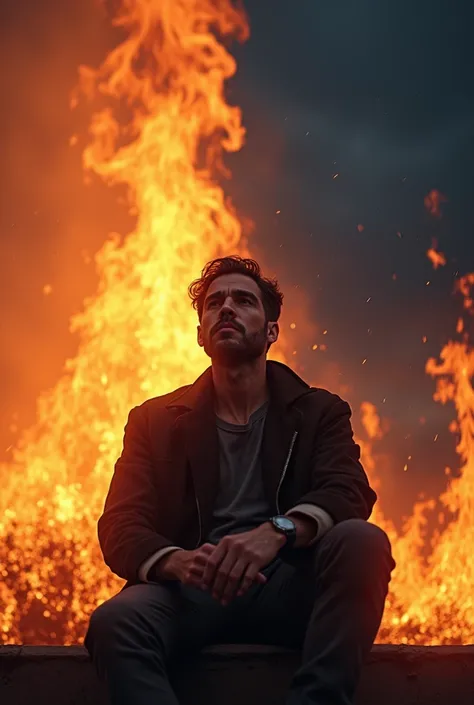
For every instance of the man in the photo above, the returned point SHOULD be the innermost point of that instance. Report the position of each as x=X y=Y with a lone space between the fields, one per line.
x=238 y=512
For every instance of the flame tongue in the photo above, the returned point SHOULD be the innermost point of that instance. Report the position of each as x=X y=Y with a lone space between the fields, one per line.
x=171 y=70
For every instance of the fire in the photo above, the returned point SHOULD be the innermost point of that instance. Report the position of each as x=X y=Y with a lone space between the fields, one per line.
x=438 y=259
x=161 y=130
x=431 y=596
x=138 y=334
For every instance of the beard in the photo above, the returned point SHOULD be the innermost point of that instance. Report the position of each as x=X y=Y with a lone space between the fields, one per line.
x=232 y=350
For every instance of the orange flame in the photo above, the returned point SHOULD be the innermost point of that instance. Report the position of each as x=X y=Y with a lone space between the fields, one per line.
x=137 y=340
x=438 y=259
x=430 y=599
x=464 y=286
x=137 y=336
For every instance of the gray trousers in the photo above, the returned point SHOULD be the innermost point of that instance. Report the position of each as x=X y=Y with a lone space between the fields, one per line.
x=330 y=606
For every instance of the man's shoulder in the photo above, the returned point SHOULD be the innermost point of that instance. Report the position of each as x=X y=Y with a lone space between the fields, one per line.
x=322 y=400
x=160 y=403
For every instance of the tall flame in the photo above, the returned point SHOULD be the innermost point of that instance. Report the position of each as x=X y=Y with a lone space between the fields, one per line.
x=161 y=131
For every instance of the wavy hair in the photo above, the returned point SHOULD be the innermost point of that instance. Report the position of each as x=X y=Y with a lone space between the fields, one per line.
x=272 y=297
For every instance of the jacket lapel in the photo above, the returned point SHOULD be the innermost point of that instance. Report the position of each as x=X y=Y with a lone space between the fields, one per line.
x=281 y=427
x=202 y=451
x=279 y=431
x=199 y=434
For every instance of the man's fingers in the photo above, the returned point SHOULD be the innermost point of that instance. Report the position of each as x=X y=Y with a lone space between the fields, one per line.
x=207 y=548
x=196 y=571
x=193 y=579
x=250 y=576
x=203 y=552
x=212 y=564
x=233 y=580
x=224 y=571
x=259 y=578
x=223 y=574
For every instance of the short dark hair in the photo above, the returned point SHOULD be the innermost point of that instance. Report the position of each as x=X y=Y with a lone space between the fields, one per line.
x=272 y=297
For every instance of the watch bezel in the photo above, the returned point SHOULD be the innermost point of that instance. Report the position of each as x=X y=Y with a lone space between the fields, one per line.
x=284 y=523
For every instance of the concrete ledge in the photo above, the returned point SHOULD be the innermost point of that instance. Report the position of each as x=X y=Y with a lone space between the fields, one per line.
x=235 y=674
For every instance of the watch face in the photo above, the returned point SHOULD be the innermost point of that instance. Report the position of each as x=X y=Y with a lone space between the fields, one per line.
x=284 y=523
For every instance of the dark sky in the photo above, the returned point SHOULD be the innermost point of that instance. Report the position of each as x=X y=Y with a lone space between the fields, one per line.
x=380 y=93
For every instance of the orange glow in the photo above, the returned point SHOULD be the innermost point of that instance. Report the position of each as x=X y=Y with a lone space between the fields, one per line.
x=433 y=201
x=370 y=420
x=137 y=340
x=464 y=286
x=437 y=258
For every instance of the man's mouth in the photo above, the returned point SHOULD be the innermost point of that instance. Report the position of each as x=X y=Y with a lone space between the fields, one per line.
x=226 y=326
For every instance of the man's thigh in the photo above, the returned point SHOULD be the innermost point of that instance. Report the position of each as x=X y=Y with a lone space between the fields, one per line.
x=278 y=611
x=173 y=618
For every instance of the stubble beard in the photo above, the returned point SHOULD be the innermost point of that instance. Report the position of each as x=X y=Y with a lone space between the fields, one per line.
x=233 y=353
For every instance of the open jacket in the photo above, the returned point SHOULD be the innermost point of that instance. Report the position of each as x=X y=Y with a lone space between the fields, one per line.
x=166 y=480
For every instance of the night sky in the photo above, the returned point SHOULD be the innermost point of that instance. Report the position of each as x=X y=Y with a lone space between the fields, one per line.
x=379 y=93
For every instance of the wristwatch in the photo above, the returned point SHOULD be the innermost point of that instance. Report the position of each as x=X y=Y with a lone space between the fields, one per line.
x=285 y=526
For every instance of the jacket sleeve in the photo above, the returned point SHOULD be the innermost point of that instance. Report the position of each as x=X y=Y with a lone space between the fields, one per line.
x=127 y=528
x=323 y=520
x=145 y=571
x=339 y=483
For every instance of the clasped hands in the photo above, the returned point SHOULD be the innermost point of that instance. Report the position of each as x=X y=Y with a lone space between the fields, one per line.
x=230 y=568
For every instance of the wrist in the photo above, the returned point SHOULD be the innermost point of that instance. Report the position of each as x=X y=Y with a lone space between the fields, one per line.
x=279 y=538
x=165 y=568
x=306 y=529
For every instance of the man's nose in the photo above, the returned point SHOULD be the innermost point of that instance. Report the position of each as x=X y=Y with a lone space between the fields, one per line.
x=228 y=307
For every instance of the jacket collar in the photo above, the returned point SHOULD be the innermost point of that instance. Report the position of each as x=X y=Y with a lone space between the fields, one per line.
x=285 y=388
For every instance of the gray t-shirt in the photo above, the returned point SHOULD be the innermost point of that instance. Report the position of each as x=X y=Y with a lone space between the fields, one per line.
x=240 y=503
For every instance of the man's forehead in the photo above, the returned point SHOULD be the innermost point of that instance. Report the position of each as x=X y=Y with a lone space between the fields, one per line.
x=228 y=283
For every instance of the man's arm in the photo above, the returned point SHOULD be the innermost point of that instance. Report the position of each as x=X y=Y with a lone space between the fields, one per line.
x=126 y=529
x=339 y=485
x=148 y=570
x=311 y=521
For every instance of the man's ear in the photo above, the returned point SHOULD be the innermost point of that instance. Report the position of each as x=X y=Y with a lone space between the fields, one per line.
x=199 y=337
x=273 y=331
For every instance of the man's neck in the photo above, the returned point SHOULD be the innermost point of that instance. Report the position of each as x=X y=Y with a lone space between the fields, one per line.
x=240 y=391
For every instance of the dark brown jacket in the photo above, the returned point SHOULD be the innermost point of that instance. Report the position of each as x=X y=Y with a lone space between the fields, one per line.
x=166 y=479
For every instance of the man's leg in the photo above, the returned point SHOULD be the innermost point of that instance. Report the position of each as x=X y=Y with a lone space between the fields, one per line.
x=330 y=607
x=133 y=636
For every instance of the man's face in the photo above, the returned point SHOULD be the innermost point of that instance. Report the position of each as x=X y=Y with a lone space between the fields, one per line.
x=233 y=329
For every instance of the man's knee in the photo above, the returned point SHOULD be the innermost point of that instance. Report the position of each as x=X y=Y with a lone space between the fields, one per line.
x=105 y=620
x=360 y=535
x=359 y=547
x=122 y=615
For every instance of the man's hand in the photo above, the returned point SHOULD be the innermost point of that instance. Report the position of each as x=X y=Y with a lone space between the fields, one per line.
x=188 y=566
x=185 y=566
x=237 y=559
